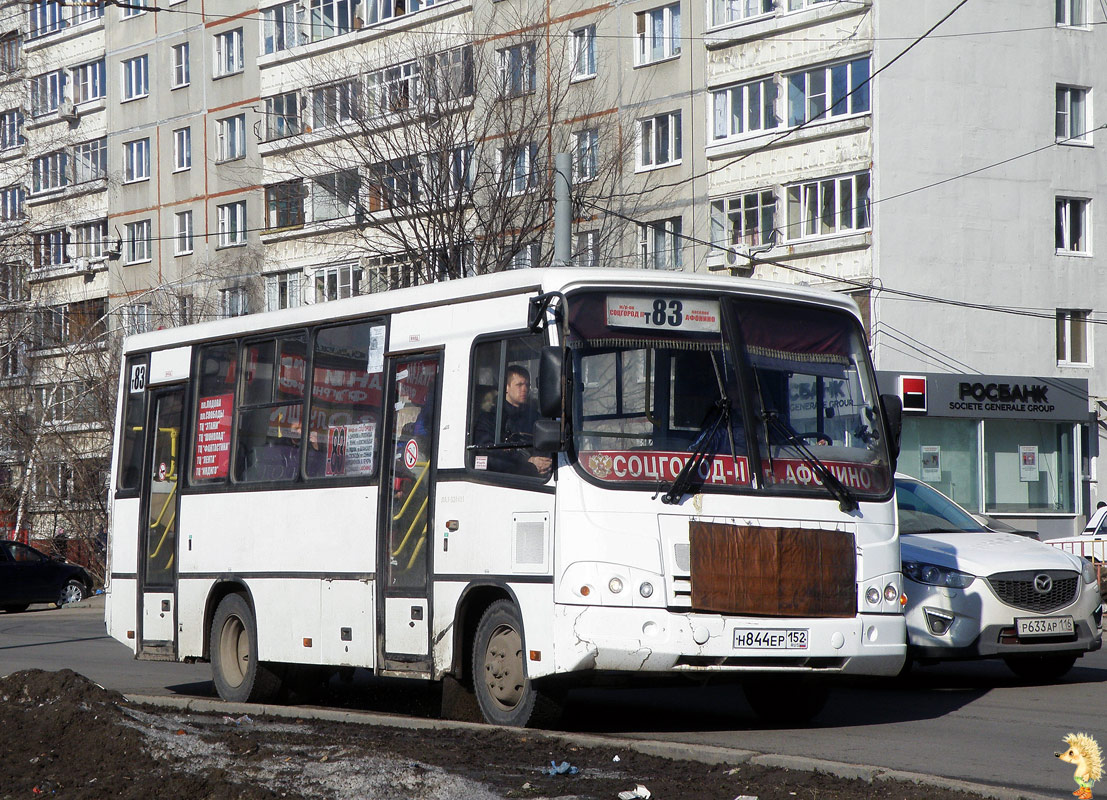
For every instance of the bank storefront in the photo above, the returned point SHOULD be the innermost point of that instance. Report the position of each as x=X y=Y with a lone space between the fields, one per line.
x=1001 y=445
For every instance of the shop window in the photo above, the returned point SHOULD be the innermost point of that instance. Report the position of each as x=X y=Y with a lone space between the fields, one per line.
x=1029 y=467
x=944 y=453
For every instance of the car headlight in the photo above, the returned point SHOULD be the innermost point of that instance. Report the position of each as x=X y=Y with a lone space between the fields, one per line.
x=1089 y=572
x=934 y=575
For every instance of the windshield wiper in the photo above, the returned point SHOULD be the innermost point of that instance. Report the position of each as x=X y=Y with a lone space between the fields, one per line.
x=846 y=500
x=719 y=414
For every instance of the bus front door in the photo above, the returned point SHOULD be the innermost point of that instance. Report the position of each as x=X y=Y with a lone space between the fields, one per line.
x=407 y=495
x=158 y=527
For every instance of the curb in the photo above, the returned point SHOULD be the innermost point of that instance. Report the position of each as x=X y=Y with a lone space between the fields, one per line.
x=676 y=751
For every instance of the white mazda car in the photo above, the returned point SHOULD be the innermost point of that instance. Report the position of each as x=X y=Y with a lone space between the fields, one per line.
x=976 y=593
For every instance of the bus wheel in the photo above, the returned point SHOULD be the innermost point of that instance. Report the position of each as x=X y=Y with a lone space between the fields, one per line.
x=785 y=700
x=238 y=676
x=505 y=694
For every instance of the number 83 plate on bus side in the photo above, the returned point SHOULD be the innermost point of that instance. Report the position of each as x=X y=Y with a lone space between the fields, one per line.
x=770 y=638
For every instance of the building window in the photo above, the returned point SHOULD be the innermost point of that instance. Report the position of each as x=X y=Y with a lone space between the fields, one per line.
x=282 y=116
x=232 y=224
x=11 y=50
x=230 y=138
x=1072 y=225
x=46 y=18
x=284 y=205
x=747 y=219
x=799 y=5
x=234 y=302
x=1073 y=335
x=90 y=160
x=184 y=309
x=584 y=52
x=517 y=72
x=282 y=290
x=660 y=244
x=831 y=91
x=394 y=89
x=11 y=203
x=658 y=34
x=47 y=93
x=182 y=149
x=136 y=160
x=49 y=172
x=137 y=242
x=1072 y=114
x=337 y=283
x=180 y=66
x=526 y=257
x=88 y=82
x=828 y=206
x=447 y=173
x=659 y=140
x=335 y=196
x=135 y=78
x=336 y=104
x=182 y=233
x=388 y=272
x=88 y=12
x=11 y=129
x=449 y=75
x=1072 y=13
x=518 y=168
x=135 y=318
x=750 y=107
x=134 y=8
x=282 y=27
x=585 y=155
x=228 y=53
x=585 y=249
x=724 y=12
x=89 y=239
x=395 y=184
x=50 y=248
x=332 y=18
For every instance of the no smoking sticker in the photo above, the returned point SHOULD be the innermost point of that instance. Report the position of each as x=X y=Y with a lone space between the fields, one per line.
x=411 y=453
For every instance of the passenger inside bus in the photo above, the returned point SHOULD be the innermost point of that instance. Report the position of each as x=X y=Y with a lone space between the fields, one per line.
x=517 y=417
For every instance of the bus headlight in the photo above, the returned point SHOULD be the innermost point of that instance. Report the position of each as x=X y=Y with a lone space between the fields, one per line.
x=615 y=585
x=646 y=589
x=872 y=595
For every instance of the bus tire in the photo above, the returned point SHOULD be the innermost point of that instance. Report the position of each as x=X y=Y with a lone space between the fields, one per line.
x=238 y=675
x=785 y=700
x=505 y=694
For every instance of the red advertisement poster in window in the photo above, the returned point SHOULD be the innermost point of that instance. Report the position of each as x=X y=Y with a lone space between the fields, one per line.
x=213 y=437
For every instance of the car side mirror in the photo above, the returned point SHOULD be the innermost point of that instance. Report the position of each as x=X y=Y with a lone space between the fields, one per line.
x=547 y=436
x=550 y=394
x=892 y=408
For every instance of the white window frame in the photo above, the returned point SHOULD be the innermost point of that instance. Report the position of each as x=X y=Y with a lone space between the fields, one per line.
x=586 y=249
x=584 y=53
x=45 y=18
x=234 y=301
x=811 y=206
x=283 y=27
x=586 y=158
x=283 y=116
x=231 y=220
x=12 y=200
x=1073 y=112
x=183 y=233
x=334 y=196
x=813 y=92
x=337 y=283
x=336 y=104
x=659 y=141
x=518 y=73
x=134 y=9
x=90 y=12
x=331 y=18
x=136 y=161
x=1068 y=321
x=227 y=53
x=135 y=78
x=526 y=257
x=136 y=242
x=47 y=92
x=657 y=34
x=800 y=5
x=90 y=160
x=395 y=89
x=1073 y=226
x=519 y=168
x=230 y=138
x=660 y=244
x=90 y=239
x=89 y=82
x=744 y=109
x=1072 y=13
x=181 y=66
x=50 y=172
x=284 y=290
x=135 y=318
x=51 y=248
x=724 y=12
x=11 y=129
x=747 y=219
x=182 y=149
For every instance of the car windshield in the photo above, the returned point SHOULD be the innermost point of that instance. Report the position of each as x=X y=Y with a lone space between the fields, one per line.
x=923 y=509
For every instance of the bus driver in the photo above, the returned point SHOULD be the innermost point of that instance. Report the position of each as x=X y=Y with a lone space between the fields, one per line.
x=516 y=428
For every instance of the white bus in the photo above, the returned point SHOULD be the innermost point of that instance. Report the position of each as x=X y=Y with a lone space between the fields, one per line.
x=514 y=481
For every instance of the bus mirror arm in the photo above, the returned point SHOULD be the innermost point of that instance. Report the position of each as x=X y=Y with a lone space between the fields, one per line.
x=892 y=408
x=547 y=436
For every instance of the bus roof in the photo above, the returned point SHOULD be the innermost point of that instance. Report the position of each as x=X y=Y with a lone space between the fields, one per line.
x=461 y=290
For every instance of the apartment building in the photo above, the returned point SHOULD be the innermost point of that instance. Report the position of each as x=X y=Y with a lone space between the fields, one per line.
x=271 y=154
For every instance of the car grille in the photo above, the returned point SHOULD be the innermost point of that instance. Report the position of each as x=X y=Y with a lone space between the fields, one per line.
x=1018 y=589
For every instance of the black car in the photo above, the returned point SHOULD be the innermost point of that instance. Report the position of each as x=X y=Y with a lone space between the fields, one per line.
x=28 y=576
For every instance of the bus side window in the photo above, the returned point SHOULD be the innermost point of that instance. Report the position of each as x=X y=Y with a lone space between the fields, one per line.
x=134 y=422
x=217 y=373
x=271 y=412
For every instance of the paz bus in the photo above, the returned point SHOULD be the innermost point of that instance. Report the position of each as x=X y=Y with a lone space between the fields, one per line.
x=514 y=482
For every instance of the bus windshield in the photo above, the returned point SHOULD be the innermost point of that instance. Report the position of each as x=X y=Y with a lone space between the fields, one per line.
x=741 y=385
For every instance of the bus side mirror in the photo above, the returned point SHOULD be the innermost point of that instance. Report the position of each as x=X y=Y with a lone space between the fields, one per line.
x=892 y=407
x=550 y=363
x=547 y=436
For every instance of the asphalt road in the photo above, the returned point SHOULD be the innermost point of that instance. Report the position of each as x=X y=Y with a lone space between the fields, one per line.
x=970 y=722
